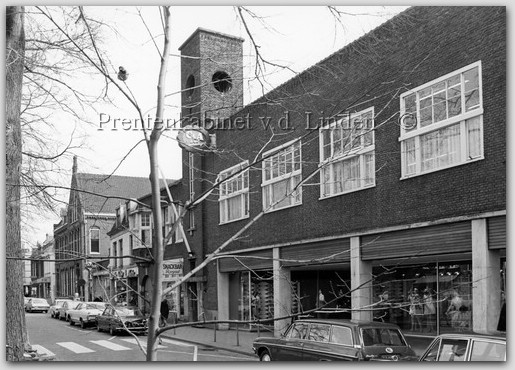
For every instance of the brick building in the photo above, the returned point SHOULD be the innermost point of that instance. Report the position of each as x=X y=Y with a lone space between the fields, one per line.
x=383 y=169
x=82 y=231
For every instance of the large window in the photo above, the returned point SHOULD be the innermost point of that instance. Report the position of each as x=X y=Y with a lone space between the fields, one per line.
x=282 y=172
x=347 y=157
x=94 y=240
x=234 y=193
x=442 y=122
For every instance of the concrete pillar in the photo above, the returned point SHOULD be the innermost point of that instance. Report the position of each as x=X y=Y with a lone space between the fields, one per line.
x=486 y=284
x=222 y=283
x=282 y=293
x=361 y=282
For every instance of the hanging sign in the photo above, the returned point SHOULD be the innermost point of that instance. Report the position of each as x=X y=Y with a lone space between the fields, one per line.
x=193 y=138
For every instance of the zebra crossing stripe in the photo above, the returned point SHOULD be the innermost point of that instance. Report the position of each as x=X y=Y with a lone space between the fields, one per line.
x=42 y=350
x=74 y=347
x=143 y=342
x=110 y=345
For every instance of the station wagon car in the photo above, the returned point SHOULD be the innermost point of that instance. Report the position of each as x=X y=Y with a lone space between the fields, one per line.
x=466 y=347
x=330 y=340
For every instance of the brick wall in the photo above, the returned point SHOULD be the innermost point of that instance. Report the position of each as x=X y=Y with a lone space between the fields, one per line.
x=413 y=48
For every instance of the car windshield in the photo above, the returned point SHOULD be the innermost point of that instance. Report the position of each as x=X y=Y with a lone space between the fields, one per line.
x=39 y=301
x=382 y=337
x=128 y=311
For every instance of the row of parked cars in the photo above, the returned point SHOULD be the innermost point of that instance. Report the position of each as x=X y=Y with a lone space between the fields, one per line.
x=349 y=340
x=105 y=316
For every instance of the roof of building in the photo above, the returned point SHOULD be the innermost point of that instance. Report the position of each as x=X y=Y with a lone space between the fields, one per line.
x=117 y=186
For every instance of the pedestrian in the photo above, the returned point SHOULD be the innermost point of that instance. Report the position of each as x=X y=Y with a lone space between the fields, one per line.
x=165 y=312
x=163 y=318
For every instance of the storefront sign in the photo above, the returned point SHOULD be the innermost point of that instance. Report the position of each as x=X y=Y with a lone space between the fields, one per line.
x=172 y=269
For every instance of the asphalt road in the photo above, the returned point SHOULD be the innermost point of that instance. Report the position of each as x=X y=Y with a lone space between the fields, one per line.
x=71 y=343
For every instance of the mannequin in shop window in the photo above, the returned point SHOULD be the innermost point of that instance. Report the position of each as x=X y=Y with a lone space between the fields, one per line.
x=429 y=309
x=321 y=298
x=256 y=305
x=456 y=310
x=415 y=310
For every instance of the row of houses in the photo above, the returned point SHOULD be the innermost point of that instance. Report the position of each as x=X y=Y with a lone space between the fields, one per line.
x=380 y=172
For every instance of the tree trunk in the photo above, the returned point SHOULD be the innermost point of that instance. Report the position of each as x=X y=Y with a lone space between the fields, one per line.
x=16 y=332
x=157 y=240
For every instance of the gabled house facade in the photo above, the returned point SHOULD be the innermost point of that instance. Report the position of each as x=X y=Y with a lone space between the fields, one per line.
x=81 y=237
x=399 y=143
x=130 y=269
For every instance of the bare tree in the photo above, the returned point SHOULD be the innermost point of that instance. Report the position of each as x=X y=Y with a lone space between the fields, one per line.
x=17 y=342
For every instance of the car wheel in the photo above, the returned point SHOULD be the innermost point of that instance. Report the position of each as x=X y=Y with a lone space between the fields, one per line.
x=82 y=325
x=71 y=321
x=265 y=356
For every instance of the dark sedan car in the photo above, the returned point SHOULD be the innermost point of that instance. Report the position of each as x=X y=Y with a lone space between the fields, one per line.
x=466 y=347
x=331 y=340
x=122 y=319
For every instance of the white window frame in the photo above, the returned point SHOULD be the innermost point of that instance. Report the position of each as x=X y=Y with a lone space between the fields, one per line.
x=225 y=194
x=169 y=218
x=94 y=228
x=268 y=183
x=413 y=137
x=360 y=152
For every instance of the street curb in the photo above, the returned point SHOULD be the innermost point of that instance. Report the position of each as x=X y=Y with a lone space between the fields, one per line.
x=241 y=352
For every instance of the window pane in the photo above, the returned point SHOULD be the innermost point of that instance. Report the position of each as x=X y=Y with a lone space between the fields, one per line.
x=319 y=333
x=410 y=156
x=341 y=335
x=474 y=138
x=369 y=169
x=487 y=351
x=471 y=89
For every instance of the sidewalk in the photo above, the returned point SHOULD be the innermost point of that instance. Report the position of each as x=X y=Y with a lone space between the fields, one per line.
x=240 y=341
x=237 y=341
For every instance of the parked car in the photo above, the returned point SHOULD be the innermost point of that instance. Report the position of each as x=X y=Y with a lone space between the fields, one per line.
x=25 y=301
x=336 y=339
x=68 y=305
x=122 y=318
x=54 y=307
x=37 y=305
x=466 y=347
x=85 y=313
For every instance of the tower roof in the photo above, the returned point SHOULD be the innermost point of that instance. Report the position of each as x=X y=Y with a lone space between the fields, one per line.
x=216 y=33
